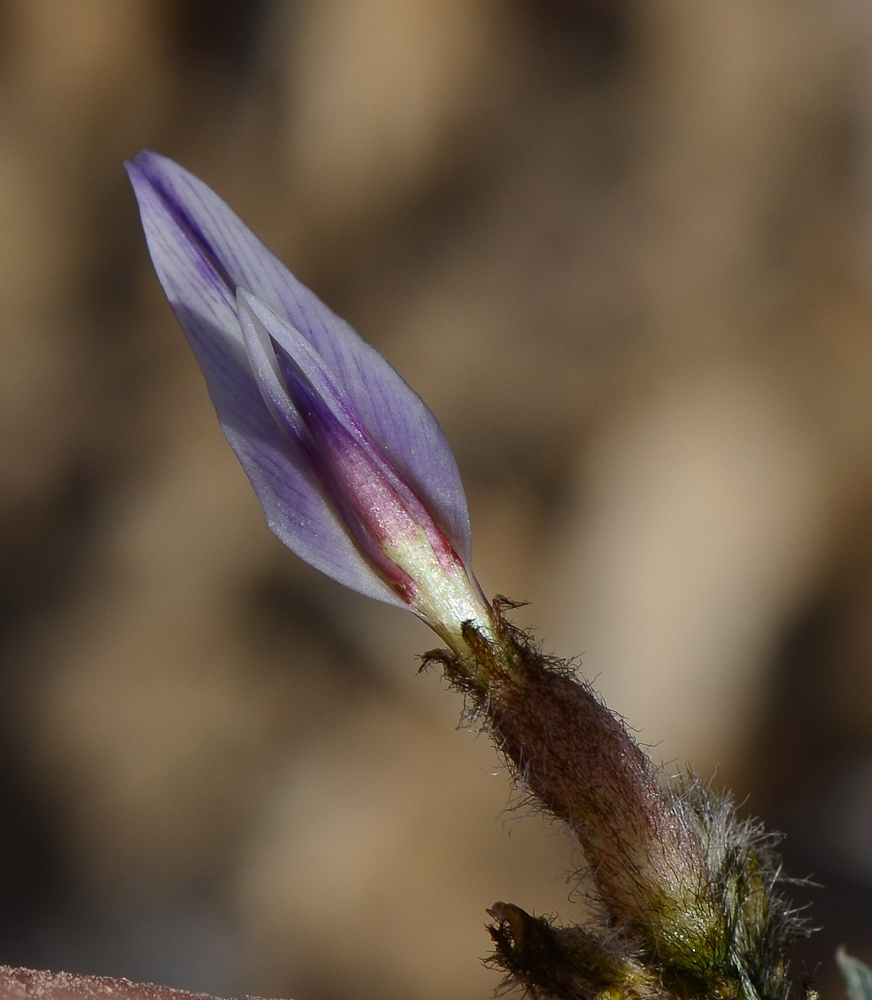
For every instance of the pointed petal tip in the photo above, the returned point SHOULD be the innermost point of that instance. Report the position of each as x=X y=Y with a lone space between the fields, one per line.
x=141 y=167
x=148 y=158
x=245 y=299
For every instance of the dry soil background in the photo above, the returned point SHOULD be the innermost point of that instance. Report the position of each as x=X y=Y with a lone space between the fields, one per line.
x=624 y=251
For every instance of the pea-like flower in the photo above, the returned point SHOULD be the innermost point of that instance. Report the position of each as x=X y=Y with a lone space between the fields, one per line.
x=355 y=475
x=351 y=468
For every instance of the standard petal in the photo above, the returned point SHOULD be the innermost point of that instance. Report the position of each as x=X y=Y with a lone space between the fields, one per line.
x=211 y=247
x=292 y=498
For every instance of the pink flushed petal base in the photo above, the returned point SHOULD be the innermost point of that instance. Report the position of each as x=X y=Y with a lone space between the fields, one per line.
x=30 y=984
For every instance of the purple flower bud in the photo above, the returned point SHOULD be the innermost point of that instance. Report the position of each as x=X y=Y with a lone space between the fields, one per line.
x=356 y=477
x=352 y=470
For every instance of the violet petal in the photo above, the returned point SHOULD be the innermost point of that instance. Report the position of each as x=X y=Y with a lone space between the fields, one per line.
x=261 y=327
x=315 y=390
x=217 y=241
x=264 y=366
x=292 y=498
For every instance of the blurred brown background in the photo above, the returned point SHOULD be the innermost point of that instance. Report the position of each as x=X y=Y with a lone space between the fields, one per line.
x=624 y=251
